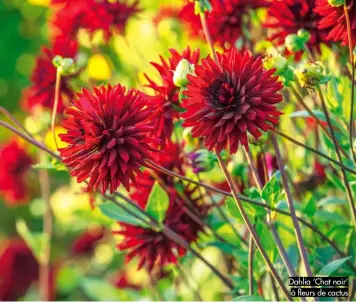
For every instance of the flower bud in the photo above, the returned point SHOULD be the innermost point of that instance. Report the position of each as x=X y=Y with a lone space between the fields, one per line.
x=294 y=43
x=66 y=66
x=304 y=35
x=201 y=6
x=202 y=160
x=278 y=62
x=180 y=74
x=336 y=3
x=311 y=74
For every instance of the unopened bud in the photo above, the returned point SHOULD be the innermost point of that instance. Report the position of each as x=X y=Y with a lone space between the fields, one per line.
x=278 y=62
x=336 y=3
x=311 y=74
x=66 y=66
x=201 y=6
x=202 y=160
x=294 y=43
x=180 y=74
x=304 y=35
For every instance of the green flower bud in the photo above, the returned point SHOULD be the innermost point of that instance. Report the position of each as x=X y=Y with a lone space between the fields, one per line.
x=304 y=35
x=202 y=160
x=294 y=43
x=57 y=61
x=180 y=74
x=201 y=6
x=68 y=66
x=311 y=74
x=278 y=62
x=336 y=3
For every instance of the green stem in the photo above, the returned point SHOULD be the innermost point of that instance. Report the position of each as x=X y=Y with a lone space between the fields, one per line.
x=251 y=229
x=344 y=176
x=55 y=106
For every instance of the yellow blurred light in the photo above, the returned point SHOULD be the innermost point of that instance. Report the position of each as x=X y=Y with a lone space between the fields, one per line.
x=49 y=140
x=99 y=68
x=103 y=254
x=39 y=2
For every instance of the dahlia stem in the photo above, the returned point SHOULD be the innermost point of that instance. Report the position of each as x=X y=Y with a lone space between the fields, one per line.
x=176 y=238
x=29 y=139
x=311 y=113
x=352 y=61
x=281 y=250
x=44 y=278
x=208 y=37
x=250 y=266
x=250 y=227
x=298 y=233
x=15 y=121
x=287 y=137
x=344 y=176
x=55 y=105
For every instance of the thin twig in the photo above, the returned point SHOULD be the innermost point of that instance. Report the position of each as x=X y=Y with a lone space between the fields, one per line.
x=344 y=176
x=208 y=37
x=14 y=120
x=55 y=105
x=250 y=266
x=251 y=229
x=298 y=233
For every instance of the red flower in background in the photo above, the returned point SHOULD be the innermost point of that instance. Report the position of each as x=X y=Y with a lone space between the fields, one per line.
x=333 y=20
x=92 y=15
x=122 y=282
x=87 y=241
x=223 y=105
x=166 y=93
x=43 y=78
x=107 y=137
x=266 y=166
x=154 y=247
x=14 y=164
x=288 y=16
x=18 y=270
x=224 y=21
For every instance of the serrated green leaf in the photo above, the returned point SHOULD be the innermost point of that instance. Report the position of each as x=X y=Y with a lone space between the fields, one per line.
x=331 y=200
x=115 y=212
x=158 y=203
x=332 y=266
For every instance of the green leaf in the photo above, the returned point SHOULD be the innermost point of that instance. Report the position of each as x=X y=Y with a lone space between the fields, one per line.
x=266 y=240
x=232 y=208
x=100 y=290
x=35 y=241
x=331 y=200
x=68 y=279
x=117 y=213
x=332 y=266
x=50 y=165
x=158 y=203
x=252 y=210
x=271 y=191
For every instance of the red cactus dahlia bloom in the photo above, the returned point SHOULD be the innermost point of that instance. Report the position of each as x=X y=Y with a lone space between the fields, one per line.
x=42 y=91
x=107 y=137
x=334 y=21
x=93 y=15
x=223 y=105
x=224 y=21
x=154 y=247
x=14 y=163
x=18 y=270
x=166 y=93
x=288 y=16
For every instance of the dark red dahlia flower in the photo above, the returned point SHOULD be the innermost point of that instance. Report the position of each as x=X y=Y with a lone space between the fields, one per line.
x=14 y=164
x=333 y=20
x=93 y=15
x=18 y=269
x=86 y=242
x=154 y=247
x=225 y=20
x=288 y=16
x=166 y=93
x=223 y=105
x=107 y=137
x=42 y=91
